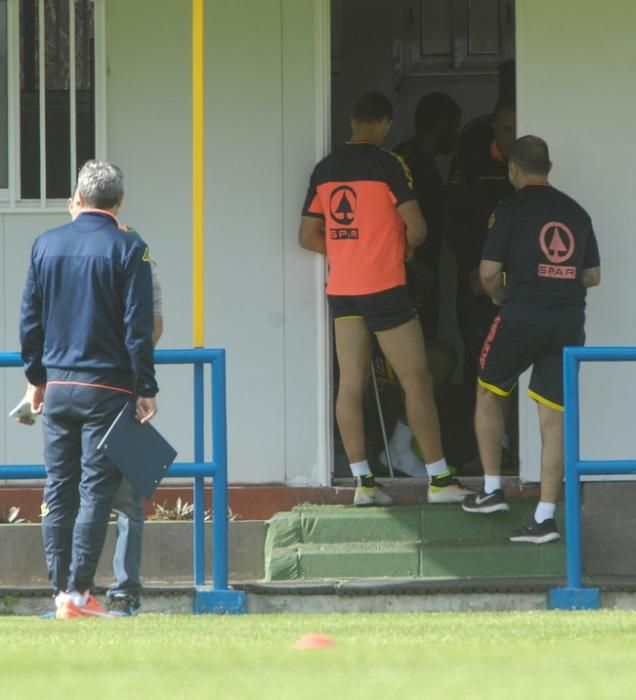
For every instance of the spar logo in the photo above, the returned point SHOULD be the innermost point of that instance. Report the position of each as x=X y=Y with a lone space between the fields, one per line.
x=557 y=244
x=342 y=209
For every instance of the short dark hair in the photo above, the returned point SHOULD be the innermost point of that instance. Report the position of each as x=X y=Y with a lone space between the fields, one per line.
x=435 y=107
x=372 y=107
x=531 y=154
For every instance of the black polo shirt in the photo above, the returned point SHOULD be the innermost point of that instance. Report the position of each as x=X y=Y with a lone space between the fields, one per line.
x=544 y=240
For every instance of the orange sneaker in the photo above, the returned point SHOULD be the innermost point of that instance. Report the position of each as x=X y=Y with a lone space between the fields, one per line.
x=71 y=605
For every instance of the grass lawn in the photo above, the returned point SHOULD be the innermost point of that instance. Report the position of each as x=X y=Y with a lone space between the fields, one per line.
x=395 y=656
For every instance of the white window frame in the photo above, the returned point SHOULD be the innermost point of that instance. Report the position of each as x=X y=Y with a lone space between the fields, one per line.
x=9 y=198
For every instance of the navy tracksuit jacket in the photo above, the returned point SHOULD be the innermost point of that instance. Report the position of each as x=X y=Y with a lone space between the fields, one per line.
x=86 y=331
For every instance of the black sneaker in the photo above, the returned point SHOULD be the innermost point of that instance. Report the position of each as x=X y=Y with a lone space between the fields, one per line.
x=483 y=502
x=537 y=533
x=122 y=605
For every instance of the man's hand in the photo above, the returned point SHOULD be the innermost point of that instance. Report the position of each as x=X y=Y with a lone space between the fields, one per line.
x=146 y=408
x=31 y=404
x=35 y=396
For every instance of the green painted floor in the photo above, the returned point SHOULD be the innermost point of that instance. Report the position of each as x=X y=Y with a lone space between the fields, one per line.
x=431 y=541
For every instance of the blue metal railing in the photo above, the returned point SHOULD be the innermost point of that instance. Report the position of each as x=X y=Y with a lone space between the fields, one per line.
x=220 y=598
x=575 y=596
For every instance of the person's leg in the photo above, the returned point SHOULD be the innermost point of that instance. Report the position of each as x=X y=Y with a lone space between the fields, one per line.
x=551 y=423
x=546 y=387
x=128 y=505
x=98 y=484
x=353 y=350
x=507 y=351
x=60 y=499
x=405 y=349
x=489 y=428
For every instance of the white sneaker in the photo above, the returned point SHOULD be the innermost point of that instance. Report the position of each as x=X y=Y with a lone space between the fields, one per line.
x=406 y=463
x=371 y=496
x=447 y=489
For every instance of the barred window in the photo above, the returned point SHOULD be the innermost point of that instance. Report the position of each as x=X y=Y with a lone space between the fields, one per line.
x=4 y=125
x=48 y=77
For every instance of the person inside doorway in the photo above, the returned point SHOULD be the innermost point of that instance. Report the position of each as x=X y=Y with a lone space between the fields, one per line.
x=436 y=124
x=361 y=211
x=478 y=182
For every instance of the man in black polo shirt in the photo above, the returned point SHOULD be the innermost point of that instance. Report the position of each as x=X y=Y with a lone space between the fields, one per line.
x=540 y=257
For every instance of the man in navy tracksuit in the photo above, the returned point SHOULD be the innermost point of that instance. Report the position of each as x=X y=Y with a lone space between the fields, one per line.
x=86 y=334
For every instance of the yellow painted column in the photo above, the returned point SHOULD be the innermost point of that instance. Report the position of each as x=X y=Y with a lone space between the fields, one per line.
x=197 y=174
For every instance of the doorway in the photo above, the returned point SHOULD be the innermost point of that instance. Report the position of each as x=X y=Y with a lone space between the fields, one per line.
x=407 y=49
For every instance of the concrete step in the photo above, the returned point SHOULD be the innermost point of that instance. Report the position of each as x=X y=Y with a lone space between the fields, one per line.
x=327 y=542
x=438 y=523
x=404 y=559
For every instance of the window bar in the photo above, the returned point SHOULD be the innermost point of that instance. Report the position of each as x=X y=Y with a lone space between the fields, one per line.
x=13 y=90
x=72 y=93
x=42 y=101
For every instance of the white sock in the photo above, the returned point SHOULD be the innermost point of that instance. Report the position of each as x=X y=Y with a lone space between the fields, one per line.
x=400 y=442
x=360 y=468
x=492 y=483
x=544 y=511
x=437 y=468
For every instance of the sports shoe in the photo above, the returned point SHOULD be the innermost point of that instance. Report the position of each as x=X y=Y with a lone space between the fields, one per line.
x=371 y=496
x=445 y=488
x=483 y=502
x=406 y=463
x=74 y=604
x=537 y=533
x=123 y=605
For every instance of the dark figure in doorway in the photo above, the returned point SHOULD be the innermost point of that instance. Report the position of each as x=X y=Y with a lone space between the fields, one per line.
x=436 y=123
x=478 y=182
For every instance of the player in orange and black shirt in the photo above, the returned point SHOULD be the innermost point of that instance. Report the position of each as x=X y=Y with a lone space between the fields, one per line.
x=361 y=212
x=545 y=244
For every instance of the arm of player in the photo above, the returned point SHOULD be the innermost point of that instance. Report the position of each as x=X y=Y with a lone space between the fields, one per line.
x=311 y=234
x=591 y=277
x=492 y=280
x=416 y=229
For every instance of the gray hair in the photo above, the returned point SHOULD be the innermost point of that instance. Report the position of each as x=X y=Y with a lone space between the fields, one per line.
x=531 y=154
x=101 y=184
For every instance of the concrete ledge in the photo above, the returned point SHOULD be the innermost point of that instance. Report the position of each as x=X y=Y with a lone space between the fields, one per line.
x=609 y=528
x=166 y=555
x=439 y=595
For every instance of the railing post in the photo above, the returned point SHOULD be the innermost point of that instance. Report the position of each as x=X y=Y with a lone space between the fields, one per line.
x=198 y=493
x=220 y=511
x=574 y=596
x=572 y=449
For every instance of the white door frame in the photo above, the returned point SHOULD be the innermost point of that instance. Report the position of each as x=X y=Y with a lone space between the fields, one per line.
x=322 y=81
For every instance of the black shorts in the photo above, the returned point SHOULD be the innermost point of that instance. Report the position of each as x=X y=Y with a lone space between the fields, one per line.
x=523 y=336
x=381 y=311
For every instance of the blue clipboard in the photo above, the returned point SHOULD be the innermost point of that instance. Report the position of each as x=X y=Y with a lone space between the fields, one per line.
x=138 y=450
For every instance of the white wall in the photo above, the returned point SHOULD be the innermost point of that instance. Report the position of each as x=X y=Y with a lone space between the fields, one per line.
x=260 y=289
x=575 y=63
x=19 y=444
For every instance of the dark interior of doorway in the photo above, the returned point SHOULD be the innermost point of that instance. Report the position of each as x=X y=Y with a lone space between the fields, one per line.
x=406 y=49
